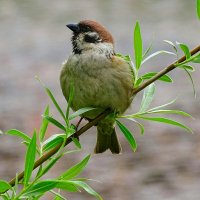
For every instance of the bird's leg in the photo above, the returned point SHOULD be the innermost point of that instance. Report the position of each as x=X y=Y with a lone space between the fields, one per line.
x=76 y=128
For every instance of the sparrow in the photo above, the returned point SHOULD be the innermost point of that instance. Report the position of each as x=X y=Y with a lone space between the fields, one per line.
x=101 y=79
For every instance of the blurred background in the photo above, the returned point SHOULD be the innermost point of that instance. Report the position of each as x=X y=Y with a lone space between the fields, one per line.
x=35 y=41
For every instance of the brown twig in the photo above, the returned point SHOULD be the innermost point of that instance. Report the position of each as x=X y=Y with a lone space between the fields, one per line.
x=164 y=71
x=103 y=115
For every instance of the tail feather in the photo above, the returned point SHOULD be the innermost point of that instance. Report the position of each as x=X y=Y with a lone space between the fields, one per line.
x=107 y=141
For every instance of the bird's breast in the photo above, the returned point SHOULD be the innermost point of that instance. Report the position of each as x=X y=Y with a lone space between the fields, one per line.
x=97 y=82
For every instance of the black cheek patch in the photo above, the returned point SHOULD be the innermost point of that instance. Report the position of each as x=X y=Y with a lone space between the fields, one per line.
x=91 y=38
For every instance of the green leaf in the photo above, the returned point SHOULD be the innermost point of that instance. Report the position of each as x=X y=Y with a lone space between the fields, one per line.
x=19 y=134
x=157 y=53
x=67 y=185
x=147 y=51
x=162 y=106
x=178 y=112
x=196 y=59
x=131 y=140
x=198 y=8
x=53 y=141
x=138 y=82
x=87 y=188
x=30 y=158
x=164 y=78
x=191 y=79
x=80 y=112
x=138 y=45
x=58 y=196
x=127 y=58
x=185 y=49
x=141 y=126
x=76 y=169
x=54 y=122
x=44 y=124
x=148 y=96
x=171 y=44
x=76 y=142
x=39 y=188
x=71 y=96
x=4 y=186
x=166 y=121
x=187 y=67
x=52 y=98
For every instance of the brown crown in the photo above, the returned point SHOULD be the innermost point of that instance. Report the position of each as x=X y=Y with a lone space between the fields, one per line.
x=101 y=30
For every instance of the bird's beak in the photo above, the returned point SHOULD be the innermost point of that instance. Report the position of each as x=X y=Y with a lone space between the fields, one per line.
x=74 y=27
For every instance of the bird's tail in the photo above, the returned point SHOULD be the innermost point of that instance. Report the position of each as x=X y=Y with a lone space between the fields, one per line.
x=107 y=139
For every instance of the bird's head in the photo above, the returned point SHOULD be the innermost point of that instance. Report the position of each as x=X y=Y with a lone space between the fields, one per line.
x=90 y=35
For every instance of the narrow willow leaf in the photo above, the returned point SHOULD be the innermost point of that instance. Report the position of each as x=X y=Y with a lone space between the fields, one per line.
x=19 y=134
x=162 y=106
x=72 y=151
x=53 y=141
x=30 y=158
x=71 y=96
x=138 y=45
x=196 y=59
x=127 y=58
x=148 y=96
x=44 y=124
x=138 y=82
x=55 y=102
x=166 y=121
x=178 y=112
x=80 y=112
x=185 y=49
x=141 y=126
x=67 y=185
x=157 y=53
x=191 y=79
x=54 y=122
x=131 y=140
x=76 y=169
x=87 y=188
x=58 y=195
x=48 y=91
x=171 y=44
x=76 y=142
x=198 y=8
x=39 y=188
x=4 y=186
x=147 y=51
x=164 y=78
x=187 y=67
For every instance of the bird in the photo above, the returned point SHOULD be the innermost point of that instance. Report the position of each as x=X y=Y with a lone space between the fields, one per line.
x=100 y=78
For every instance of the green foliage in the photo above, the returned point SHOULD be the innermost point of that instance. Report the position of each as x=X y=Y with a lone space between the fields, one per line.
x=4 y=186
x=30 y=159
x=128 y=135
x=198 y=8
x=138 y=46
x=34 y=186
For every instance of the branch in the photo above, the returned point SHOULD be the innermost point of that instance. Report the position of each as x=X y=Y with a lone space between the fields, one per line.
x=164 y=71
x=54 y=150
x=103 y=115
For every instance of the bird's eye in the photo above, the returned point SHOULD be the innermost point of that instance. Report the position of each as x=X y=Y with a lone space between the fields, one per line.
x=92 y=37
